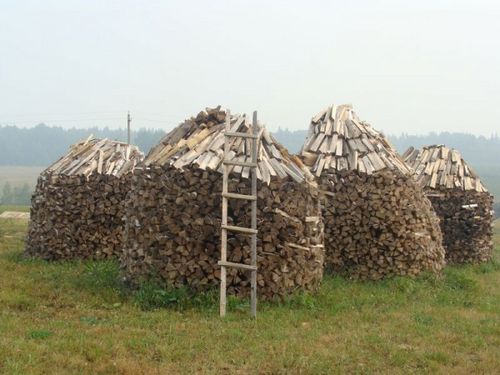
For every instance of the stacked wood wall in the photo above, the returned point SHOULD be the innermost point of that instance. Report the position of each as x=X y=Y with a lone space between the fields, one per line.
x=379 y=225
x=459 y=198
x=173 y=232
x=466 y=223
x=75 y=217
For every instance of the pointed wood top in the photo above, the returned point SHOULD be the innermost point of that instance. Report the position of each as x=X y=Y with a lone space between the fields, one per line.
x=97 y=156
x=438 y=165
x=338 y=140
x=199 y=142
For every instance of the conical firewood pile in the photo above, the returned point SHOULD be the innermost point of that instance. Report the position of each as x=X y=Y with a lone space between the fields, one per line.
x=174 y=213
x=378 y=222
x=77 y=208
x=461 y=201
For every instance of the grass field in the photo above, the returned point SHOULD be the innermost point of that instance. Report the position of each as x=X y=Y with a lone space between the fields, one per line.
x=58 y=318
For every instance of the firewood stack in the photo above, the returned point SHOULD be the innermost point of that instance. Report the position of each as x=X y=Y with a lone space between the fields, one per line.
x=174 y=213
x=77 y=208
x=461 y=201
x=378 y=222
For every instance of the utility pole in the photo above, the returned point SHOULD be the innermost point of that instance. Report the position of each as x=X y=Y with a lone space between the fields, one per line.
x=129 y=120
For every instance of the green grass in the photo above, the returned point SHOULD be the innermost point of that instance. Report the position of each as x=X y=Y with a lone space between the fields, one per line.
x=78 y=317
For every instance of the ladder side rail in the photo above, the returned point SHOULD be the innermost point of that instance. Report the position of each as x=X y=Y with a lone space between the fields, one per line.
x=253 y=280
x=223 y=237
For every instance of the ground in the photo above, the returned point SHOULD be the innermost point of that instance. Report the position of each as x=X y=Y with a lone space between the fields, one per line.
x=58 y=318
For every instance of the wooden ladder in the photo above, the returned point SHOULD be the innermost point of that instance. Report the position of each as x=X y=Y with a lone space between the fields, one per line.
x=252 y=231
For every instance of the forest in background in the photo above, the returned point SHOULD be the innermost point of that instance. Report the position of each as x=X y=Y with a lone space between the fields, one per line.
x=42 y=145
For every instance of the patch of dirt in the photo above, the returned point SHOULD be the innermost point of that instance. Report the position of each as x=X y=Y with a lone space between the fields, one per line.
x=14 y=215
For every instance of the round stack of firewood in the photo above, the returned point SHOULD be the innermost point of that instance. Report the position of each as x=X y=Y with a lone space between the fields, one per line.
x=460 y=200
x=77 y=208
x=378 y=223
x=174 y=213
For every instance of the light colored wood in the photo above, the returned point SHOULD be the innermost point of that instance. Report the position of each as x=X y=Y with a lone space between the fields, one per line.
x=235 y=228
x=223 y=248
x=240 y=163
x=253 y=244
x=237 y=265
x=445 y=166
x=240 y=196
x=242 y=135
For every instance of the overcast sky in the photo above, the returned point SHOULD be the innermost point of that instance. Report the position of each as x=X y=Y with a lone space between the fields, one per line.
x=406 y=66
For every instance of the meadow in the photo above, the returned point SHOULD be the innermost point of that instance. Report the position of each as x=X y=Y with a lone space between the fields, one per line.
x=78 y=318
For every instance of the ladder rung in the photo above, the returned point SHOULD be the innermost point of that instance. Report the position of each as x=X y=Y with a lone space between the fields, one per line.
x=237 y=265
x=239 y=229
x=242 y=135
x=240 y=196
x=240 y=163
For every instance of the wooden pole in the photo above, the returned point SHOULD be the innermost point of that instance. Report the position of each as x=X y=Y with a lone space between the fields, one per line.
x=129 y=120
x=253 y=280
x=223 y=246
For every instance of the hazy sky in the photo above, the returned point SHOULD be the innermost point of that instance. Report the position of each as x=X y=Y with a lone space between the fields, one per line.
x=406 y=66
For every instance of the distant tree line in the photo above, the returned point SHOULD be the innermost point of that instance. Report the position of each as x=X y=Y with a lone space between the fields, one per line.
x=18 y=195
x=496 y=208
x=42 y=145
x=482 y=153
x=477 y=150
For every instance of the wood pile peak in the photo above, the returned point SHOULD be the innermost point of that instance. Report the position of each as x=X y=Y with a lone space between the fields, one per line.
x=174 y=214
x=459 y=199
x=439 y=166
x=93 y=155
x=339 y=141
x=378 y=222
x=199 y=141
x=77 y=207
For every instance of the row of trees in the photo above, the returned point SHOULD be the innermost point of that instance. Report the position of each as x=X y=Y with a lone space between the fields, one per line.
x=42 y=145
x=18 y=195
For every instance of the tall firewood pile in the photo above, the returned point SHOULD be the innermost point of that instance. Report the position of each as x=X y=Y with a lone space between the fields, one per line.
x=378 y=222
x=77 y=208
x=174 y=213
x=461 y=201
